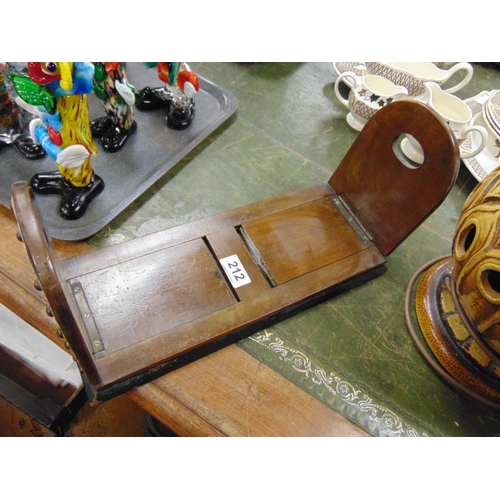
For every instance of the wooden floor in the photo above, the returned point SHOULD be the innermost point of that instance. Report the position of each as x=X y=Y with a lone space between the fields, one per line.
x=118 y=417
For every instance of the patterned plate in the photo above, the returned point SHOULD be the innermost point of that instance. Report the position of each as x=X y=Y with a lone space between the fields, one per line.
x=493 y=110
x=486 y=161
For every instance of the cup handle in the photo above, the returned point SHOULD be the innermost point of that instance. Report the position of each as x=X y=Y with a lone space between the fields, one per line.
x=402 y=94
x=460 y=85
x=484 y=137
x=347 y=75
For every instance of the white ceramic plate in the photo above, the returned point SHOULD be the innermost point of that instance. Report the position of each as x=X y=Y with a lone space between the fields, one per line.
x=485 y=162
x=492 y=110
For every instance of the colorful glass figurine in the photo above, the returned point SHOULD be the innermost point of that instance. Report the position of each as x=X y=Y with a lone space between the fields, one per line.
x=118 y=98
x=181 y=85
x=57 y=92
x=12 y=121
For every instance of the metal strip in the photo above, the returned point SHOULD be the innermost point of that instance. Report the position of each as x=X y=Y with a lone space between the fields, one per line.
x=255 y=254
x=352 y=220
x=87 y=320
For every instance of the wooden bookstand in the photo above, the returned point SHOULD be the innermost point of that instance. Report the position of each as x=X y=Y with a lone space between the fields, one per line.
x=133 y=311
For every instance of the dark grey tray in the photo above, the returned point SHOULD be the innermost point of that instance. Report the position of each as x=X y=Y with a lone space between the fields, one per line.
x=151 y=152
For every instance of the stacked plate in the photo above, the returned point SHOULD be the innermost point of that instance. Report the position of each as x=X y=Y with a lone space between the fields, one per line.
x=490 y=119
x=492 y=111
x=485 y=108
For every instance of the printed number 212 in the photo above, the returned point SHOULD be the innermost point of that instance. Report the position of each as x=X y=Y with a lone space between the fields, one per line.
x=240 y=275
x=235 y=271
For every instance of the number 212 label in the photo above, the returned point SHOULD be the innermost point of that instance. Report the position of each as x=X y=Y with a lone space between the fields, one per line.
x=235 y=271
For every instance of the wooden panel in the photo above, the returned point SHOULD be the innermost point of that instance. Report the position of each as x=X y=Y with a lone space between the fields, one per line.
x=389 y=198
x=154 y=293
x=111 y=255
x=228 y=242
x=244 y=318
x=136 y=310
x=302 y=239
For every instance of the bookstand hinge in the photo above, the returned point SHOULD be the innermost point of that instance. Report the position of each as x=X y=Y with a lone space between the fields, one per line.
x=353 y=221
x=88 y=325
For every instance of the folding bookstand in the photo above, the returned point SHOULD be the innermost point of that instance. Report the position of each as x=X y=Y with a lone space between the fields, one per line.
x=133 y=311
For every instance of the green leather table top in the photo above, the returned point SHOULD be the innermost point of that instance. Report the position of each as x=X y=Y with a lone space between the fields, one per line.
x=353 y=352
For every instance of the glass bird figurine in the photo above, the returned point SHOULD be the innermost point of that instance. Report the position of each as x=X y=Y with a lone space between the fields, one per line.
x=176 y=96
x=118 y=98
x=57 y=94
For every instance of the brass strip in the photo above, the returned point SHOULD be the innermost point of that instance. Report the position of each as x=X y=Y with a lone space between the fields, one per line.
x=256 y=256
x=86 y=318
x=351 y=219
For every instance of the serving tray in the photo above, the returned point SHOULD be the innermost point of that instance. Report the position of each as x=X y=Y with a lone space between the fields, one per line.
x=151 y=152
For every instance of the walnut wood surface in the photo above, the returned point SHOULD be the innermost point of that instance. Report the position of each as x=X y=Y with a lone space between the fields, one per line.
x=301 y=240
x=133 y=311
x=388 y=197
x=143 y=309
x=238 y=394
x=147 y=295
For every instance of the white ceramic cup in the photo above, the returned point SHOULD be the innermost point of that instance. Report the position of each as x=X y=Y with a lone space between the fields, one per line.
x=368 y=94
x=458 y=116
